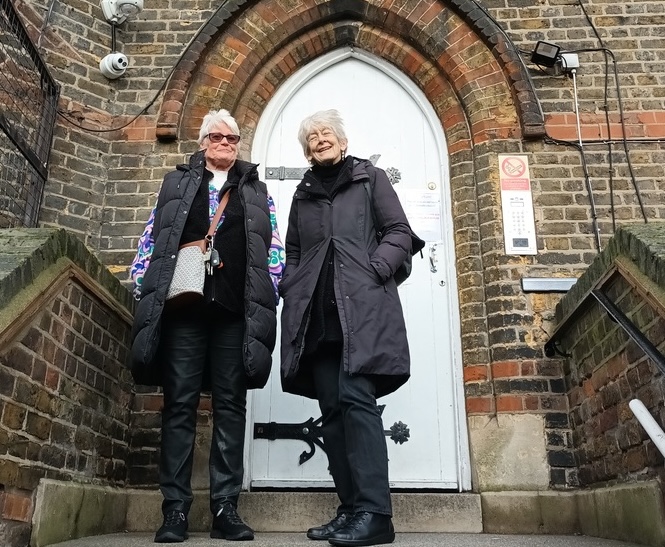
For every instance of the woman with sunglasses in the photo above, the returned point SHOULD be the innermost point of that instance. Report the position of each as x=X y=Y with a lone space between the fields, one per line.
x=343 y=334
x=221 y=341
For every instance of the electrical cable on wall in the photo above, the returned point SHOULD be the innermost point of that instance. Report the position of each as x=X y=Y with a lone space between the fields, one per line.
x=623 y=140
x=608 y=125
x=69 y=119
x=585 y=167
x=45 y=24
x=622 y=121
x=609 y=52
x=609 y=141
x=577 y=145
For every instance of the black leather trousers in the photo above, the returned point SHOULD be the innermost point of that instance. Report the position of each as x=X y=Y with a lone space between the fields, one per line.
x=202 y=346
x=353 y=434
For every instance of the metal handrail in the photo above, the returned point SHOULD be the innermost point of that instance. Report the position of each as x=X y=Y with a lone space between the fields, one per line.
x=629 y=327
x=650 y=425
x=626 y=324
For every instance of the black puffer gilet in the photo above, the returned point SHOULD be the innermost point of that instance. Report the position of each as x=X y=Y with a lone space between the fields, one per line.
x=173 y=205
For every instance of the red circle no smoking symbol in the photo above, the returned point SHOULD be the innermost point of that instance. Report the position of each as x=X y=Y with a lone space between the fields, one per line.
x=513 y=167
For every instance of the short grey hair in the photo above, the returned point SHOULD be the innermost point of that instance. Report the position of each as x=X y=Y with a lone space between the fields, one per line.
x=323 y=119
x=213 y=119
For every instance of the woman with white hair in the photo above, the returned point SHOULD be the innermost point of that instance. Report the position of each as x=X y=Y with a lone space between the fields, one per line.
x=343 y=333
x=220 y=341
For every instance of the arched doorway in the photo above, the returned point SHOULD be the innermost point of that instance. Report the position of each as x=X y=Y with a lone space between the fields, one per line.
x=388 y=116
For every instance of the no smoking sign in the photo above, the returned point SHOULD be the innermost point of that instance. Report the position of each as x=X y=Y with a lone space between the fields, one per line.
x=513 y=166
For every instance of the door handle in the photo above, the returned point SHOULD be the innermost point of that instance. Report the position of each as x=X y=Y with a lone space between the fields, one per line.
x=432 y=258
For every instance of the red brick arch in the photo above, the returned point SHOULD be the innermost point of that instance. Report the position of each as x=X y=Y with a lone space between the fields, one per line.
x=251 y=102
x=468 y=70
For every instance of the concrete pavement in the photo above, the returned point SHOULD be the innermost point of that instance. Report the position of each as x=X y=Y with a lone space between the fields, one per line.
x=402 y=540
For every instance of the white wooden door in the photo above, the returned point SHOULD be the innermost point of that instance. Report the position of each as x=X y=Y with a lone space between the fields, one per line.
x=386 y=115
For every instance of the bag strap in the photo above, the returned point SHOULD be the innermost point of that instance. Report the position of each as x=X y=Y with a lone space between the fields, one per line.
x=218 y=215
x=368 y=188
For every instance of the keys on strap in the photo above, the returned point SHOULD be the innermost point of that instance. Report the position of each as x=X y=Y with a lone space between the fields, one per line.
x=212 y=260
x=215 y=261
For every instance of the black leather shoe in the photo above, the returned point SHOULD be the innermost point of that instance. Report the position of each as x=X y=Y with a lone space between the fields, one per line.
x=173 y=529
x=326 y=530
x=365 y=529
x=227 y=524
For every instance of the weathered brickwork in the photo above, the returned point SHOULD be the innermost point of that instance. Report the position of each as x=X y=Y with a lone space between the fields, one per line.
x=64 y=390
x=610 y=442
x=606 y=369
x=64 y=412
x=145 y=425
x=102 y=185
x=58 y=378
x=75 y=38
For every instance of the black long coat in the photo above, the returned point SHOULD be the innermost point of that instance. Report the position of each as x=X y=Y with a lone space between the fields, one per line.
x=370 y=312
x=175 y=200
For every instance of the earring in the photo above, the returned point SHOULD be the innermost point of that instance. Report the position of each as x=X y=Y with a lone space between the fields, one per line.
x=343 y=154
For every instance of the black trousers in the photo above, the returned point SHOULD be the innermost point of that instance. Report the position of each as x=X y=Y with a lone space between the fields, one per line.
x=203 y=340
x=352 y=433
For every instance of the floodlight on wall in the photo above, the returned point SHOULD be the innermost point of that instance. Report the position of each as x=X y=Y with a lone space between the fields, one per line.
x=118 y=11
x=545 y=54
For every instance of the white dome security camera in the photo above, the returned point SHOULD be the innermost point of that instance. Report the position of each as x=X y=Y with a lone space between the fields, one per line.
x=113 y=65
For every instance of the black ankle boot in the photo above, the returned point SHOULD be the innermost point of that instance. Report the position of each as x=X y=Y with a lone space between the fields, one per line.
x=227 y=524
x=173 y=529
x=326 y=530
x=365 y=529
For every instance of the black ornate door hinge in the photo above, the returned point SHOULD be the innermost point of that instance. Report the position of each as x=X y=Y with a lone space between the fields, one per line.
x=309 y=432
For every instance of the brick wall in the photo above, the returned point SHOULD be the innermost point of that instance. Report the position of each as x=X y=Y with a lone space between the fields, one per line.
x=610 y=443
x=65 y=393
x=145 y=426
x=73 y=41
x=605 y=369
x=102 y=185
x=156 y=40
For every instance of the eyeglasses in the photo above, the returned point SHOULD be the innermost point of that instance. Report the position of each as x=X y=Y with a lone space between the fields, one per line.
x=315 y=138
x=219 y=137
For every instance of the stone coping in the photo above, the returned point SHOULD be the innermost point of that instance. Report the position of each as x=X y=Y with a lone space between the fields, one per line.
x=642 y=244
x=25 y=253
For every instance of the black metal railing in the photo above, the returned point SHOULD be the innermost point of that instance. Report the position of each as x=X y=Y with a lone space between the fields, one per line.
x=617 y=316
x=28 y=101
x=630 y=329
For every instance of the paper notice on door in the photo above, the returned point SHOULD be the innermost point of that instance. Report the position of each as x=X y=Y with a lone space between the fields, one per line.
x=519 y=228
x=423 y=209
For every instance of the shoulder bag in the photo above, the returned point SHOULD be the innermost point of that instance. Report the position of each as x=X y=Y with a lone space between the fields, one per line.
x=193 y=259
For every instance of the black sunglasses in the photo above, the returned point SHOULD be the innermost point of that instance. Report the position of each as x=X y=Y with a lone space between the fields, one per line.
x=219 y=137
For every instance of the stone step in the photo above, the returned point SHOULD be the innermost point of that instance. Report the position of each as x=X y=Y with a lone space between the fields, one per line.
x=69 y=510
x=297 y=511
x=66 y=511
